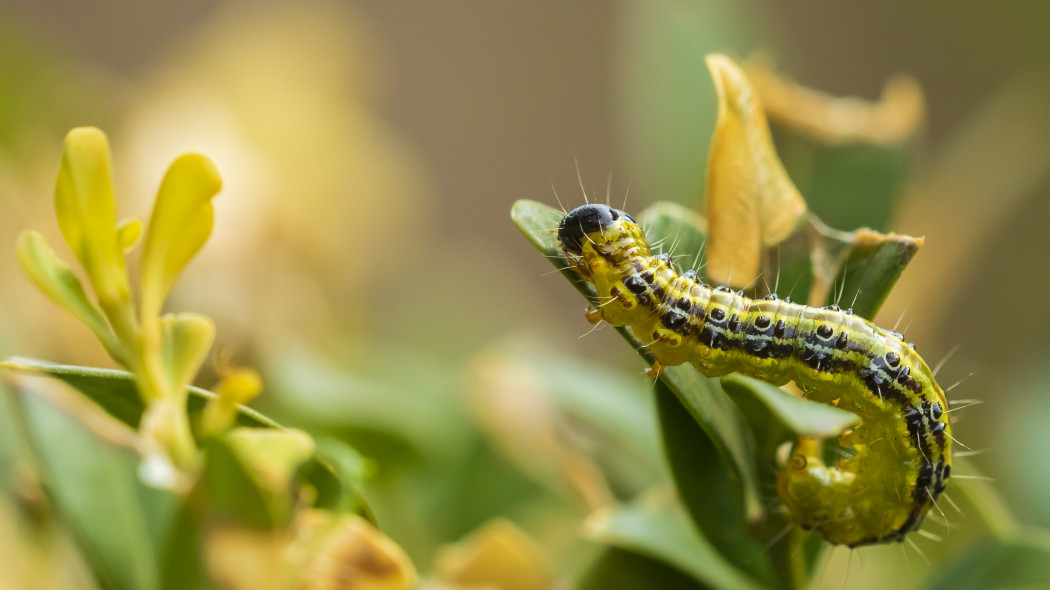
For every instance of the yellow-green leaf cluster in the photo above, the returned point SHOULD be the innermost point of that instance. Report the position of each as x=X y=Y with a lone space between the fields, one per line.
x=164 y=352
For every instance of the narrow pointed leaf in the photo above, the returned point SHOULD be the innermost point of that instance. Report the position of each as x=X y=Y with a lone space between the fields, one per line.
x=798 y=416
x=871 y=269
x=86 y=210
x=56 y=280
x=662 y=532
x=93 y=483
x=115 y=392
x=705 y=480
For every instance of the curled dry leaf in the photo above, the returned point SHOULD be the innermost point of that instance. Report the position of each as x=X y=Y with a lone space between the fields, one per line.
x=893 y=119
x=325 y=551
x=751 y=201
x=869 y=238
x=345 y=552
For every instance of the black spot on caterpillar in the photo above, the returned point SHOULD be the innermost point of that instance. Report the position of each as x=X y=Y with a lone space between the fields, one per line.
x=901 y=452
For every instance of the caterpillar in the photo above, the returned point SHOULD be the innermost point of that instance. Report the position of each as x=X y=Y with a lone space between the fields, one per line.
x=901 y=452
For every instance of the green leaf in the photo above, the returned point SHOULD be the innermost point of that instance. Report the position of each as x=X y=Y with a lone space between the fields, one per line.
x=181 y=561
x=115 y=392
x=250 y=477
x=186 y=340
x=94 y=485
x=763 y=402
x=535 y=220
x=620 y=569
x=351 y=469
x=56 y=280
x=1021 y=562
x=659 y=530
x=233 y=494
x=710 y=490
x=11 y=446
x=871 y=269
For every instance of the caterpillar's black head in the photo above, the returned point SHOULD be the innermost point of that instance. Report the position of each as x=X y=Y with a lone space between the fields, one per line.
x=584 y=220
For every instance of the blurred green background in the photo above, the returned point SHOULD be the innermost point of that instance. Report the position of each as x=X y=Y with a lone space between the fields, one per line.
x=364 y=260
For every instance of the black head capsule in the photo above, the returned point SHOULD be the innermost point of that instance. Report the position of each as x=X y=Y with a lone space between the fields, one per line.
x=579 y=222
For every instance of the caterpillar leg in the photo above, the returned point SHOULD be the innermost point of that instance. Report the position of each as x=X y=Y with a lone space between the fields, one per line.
x=655 y=370
x=593 y=315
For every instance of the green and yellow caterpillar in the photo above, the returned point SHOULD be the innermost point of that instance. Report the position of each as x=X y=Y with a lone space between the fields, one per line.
x=901 y=452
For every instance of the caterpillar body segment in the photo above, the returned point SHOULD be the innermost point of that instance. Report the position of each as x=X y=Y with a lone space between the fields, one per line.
x=901 y=452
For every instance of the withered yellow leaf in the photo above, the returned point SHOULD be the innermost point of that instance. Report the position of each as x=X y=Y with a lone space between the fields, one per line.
x=498 y=555
x=346 y=552
x=751 y=202
x=893 y=119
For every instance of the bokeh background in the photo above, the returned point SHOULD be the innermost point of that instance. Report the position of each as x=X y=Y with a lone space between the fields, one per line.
x=364 y=258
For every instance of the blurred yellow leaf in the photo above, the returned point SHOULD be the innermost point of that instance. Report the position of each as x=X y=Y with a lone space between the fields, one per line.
x=325 y=551
x=751 y=202
x=247 y=559
x=346 y=552
x=87 y=213
x=893 y=119
x=498 y=556
x=239 y=385
x=181 y=223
